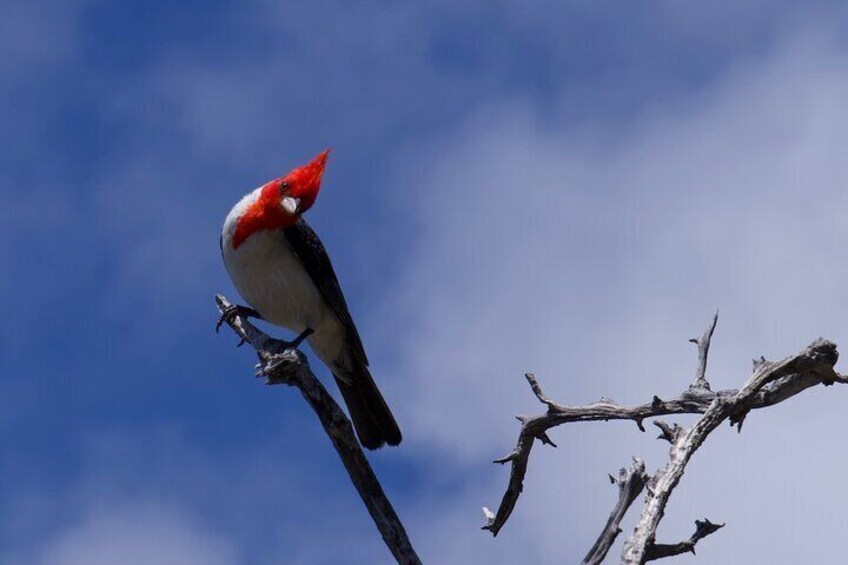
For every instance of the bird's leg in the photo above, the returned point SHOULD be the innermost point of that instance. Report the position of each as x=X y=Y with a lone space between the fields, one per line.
x=236 y=310
x=299 y=339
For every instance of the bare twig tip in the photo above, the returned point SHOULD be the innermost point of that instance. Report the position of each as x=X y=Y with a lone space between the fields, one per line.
x=506 y=458
x=545 y=439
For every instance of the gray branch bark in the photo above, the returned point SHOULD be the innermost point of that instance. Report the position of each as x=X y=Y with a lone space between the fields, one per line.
x=771 y=383
x=703 y=528
x=281 y=365
x=630 y=484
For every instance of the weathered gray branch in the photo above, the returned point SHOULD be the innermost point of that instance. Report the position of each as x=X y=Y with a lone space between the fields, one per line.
x=703 y=344
x=630 y=484
x=771 y=383
x=702 y=530
x=816 y=360
x=281 y=365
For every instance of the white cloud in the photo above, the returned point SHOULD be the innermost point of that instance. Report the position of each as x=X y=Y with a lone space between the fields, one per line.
x=137 y=534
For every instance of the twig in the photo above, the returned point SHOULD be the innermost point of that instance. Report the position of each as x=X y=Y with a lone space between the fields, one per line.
x=630 y=483
x=702 y=530
x=289 y=366
x=668 y=433
x=703 y=344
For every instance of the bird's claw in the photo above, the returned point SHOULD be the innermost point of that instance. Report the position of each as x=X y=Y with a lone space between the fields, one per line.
x=226 y=316
x=235 y=310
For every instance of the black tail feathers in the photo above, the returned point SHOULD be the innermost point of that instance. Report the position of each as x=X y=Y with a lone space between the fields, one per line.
x=375 y=425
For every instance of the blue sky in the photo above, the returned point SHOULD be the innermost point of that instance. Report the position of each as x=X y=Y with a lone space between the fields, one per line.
x=570 y=188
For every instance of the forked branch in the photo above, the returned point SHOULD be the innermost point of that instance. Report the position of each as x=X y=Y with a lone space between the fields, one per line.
x=771 y=383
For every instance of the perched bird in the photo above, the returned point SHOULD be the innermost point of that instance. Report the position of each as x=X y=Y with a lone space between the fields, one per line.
x=281 y=269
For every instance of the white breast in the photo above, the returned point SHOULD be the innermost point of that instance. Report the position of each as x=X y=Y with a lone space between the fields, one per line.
x=270 y=277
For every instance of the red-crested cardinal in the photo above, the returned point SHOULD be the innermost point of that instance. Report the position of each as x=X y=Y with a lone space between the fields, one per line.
x=281 y=269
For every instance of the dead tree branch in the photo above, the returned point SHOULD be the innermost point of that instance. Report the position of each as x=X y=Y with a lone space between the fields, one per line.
x=771 y=383
x=702 y=530
x=281 y=365
x=630 y=484
x=703 y=344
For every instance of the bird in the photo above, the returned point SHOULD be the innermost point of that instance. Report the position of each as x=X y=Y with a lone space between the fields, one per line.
x=280 y=268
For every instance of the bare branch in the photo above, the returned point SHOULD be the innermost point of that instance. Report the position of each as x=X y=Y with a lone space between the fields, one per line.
x=703 y=344
x=537 y=390
x=669 y=433
x=630 y=484
x=816 y=360
x=702 y=530
x=772 y=382
x=281 y=365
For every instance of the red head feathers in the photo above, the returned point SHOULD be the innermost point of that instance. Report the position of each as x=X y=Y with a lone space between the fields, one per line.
x=304 y=182
x=282 y=201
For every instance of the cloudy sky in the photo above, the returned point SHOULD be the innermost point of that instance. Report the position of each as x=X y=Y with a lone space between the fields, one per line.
x=569 y=188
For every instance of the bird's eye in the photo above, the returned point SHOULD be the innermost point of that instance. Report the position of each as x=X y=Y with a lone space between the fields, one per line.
x=285 y=186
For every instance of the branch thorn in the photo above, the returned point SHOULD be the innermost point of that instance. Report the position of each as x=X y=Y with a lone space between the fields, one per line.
x=507 y=458
x=545 y=439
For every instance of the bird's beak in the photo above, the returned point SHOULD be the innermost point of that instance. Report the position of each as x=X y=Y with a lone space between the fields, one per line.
x=291 y=205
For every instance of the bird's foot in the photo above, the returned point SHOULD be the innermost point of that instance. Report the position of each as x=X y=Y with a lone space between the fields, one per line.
x=236 y=310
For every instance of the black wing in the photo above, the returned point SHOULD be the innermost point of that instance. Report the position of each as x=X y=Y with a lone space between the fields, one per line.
x=309 y=249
